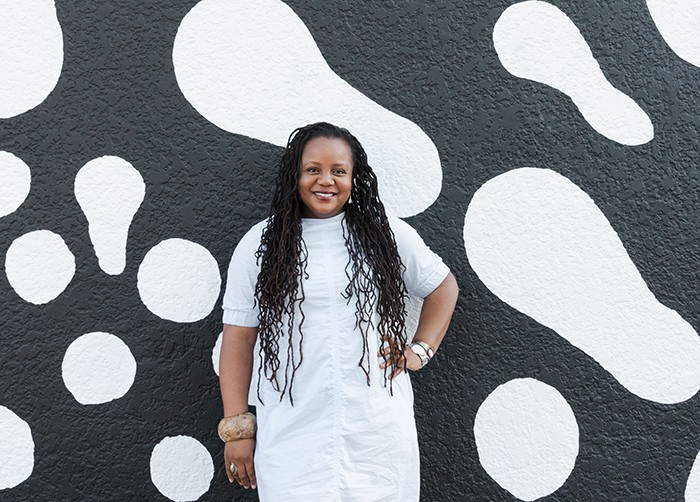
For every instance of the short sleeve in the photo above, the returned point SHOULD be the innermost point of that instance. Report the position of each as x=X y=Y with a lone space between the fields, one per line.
x=425 y=270
x=239 y=304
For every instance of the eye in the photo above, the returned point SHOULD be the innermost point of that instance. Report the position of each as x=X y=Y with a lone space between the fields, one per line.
x=312 y=170
x=339 y=171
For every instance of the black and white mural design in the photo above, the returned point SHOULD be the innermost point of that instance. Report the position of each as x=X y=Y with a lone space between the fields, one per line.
x=547 y=150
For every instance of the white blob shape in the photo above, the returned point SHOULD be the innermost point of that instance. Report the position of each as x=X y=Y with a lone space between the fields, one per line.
x=31 y=54
x=39 y=266
x=678 y=21
x=179 y=280
x=527 y=438
x=541 y=245
x=692 y=487
x=181 y=468
x=16 y=180
x=216 y=353
x=16 y=449
x=98 y=368
x=109 y=191
x=251 y=67
x=537 y=41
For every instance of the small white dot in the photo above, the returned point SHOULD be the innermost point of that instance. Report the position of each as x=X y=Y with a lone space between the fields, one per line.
x=181 y=468
x=16 y=179
x=216 y=353
x=16 y=449
x=179 y=280
x=98 y=368
x=527 y=438
x=39 y=266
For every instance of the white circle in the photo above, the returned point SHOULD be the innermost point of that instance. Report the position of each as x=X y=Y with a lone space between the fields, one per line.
x=16 y=449
x=181 y=468
x=179 y=280
x=16 y=179
x=216 y=353
x=98 y=368
x=527 y=438
x=31 y=54
x=39 y=266
x=692 y=487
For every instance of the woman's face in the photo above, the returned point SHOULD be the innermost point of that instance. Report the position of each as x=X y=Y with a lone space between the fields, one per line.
x=325 y=177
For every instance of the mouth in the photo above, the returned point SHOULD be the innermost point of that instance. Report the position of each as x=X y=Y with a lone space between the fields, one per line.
x=324 y=195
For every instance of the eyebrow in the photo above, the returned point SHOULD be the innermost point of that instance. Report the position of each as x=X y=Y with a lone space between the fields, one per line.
x=337 y=164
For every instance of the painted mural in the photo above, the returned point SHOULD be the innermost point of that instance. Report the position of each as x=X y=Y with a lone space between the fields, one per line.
x=547 y=150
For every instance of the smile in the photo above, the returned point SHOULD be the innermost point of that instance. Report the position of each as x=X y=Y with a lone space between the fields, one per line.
x=324 y=195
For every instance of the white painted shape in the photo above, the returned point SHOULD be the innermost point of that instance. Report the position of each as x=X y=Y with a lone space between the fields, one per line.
x=16 y=180
x=692 y=487
x=251 y=67
x=98 y=368
x=179 y=280
x=527 y=438
x=39 y=266
x=16 y=449
x=216 y=353
x=31 y=54
x=109 y=191
x=541 y=245
x=181 y=468
x=537 y=41
x=678 y=21
x=414 y=305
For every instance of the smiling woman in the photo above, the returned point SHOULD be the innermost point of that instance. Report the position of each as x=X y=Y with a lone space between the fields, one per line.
x=315 y=333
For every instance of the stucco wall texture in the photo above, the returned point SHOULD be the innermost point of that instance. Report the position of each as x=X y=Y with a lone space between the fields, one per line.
x=546 y=150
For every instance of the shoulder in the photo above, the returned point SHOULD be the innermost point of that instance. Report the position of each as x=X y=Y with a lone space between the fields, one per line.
x=251 y=239
x=404 y=234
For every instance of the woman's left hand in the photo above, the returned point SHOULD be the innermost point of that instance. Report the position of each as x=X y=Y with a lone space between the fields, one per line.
x=412 y=361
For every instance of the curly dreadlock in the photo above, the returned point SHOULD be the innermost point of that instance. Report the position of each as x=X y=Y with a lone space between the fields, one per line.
x=374 y=269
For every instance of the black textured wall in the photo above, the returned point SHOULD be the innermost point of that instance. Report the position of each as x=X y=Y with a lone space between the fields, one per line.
x=433 y=63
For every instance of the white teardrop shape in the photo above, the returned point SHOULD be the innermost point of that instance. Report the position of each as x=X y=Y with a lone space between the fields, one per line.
x=109 y=191
x=541 y=245
x=678 y=22
x=31 y=54
x=537 y=41
x=251 y=67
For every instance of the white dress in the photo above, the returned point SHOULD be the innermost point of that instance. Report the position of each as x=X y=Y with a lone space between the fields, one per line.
x=342 y=440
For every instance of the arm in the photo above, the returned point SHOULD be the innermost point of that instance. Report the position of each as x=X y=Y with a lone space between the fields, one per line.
x=434 y=320
x=235 y=371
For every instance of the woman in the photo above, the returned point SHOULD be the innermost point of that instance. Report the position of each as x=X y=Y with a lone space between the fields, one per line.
x=314 y=333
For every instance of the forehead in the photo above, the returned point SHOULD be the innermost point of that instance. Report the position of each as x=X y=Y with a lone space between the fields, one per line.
x=327 y=150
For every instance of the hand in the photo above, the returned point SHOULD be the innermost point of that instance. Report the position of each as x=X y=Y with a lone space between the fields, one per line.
x=411 y=361
x=240 y=454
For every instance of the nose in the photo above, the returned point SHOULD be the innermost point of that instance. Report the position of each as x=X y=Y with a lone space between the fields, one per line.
x=326 y=178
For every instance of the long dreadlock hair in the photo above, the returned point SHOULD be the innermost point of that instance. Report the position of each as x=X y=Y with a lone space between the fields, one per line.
x=374 y=268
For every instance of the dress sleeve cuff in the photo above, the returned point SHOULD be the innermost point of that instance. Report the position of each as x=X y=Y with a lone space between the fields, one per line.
x=434 y=279
x=247 y=319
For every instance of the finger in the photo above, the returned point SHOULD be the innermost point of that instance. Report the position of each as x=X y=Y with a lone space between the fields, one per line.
x=250 y=468
x=242 y=475
x=396 y=372
x=227 y=468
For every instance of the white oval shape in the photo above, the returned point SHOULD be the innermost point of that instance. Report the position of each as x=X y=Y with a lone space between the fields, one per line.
x=692 y=487
x=16 y=449
x=537 y=41
x=39 y=266
x=541 y=244
x=216 y=353
x=252 y=67
x=678 y=21
x=31 y=54
x=16 y=180
x=98 y=368
x=527 y=438
x=181 y=468
x=179 y=280
x=109 y=191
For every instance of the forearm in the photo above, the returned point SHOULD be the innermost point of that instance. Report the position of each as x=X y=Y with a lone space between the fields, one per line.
x=436 y=313
x=236 y=368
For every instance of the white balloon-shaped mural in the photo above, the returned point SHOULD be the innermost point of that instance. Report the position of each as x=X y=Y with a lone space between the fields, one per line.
x=16 y=180
x=527 y=438
x=109 y=191
x=537 y=41
x=541 y=244
x=31 y=54
x=252 y=68
x=16 y=449
x=181 y=468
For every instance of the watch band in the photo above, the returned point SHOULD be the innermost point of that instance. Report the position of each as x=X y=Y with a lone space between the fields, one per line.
x=419 y=349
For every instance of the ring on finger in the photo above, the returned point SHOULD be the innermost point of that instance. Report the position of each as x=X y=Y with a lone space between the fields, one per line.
x=233 y=468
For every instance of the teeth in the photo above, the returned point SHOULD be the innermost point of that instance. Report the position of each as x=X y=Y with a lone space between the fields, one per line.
x=324 y=195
